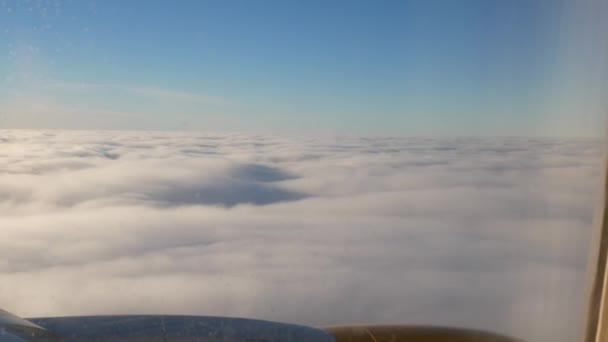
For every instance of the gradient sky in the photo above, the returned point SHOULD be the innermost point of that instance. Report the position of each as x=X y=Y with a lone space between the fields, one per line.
x=427 y=67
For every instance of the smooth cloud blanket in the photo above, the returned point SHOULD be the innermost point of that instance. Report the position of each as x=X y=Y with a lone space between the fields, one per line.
x=488 y=233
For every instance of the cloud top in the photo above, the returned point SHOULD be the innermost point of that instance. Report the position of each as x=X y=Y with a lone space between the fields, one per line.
x=489 y=233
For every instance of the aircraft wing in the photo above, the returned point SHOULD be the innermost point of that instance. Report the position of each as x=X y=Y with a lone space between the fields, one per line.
x=170 y=328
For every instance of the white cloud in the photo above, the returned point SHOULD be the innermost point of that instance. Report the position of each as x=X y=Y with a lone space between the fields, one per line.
x=486 y=233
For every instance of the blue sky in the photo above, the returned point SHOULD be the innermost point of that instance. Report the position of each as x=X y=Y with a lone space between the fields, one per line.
x=427 y=67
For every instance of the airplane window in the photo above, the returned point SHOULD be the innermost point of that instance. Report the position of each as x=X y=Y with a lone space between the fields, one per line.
x=302 y=170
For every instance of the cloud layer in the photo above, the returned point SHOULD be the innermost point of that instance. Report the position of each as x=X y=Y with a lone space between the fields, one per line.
x=488 y=233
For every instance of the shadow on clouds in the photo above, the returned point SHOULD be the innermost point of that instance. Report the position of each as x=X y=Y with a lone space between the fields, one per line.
x=249 y=184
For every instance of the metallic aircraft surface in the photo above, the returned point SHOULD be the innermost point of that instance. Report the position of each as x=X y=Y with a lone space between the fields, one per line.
x=162 y=328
